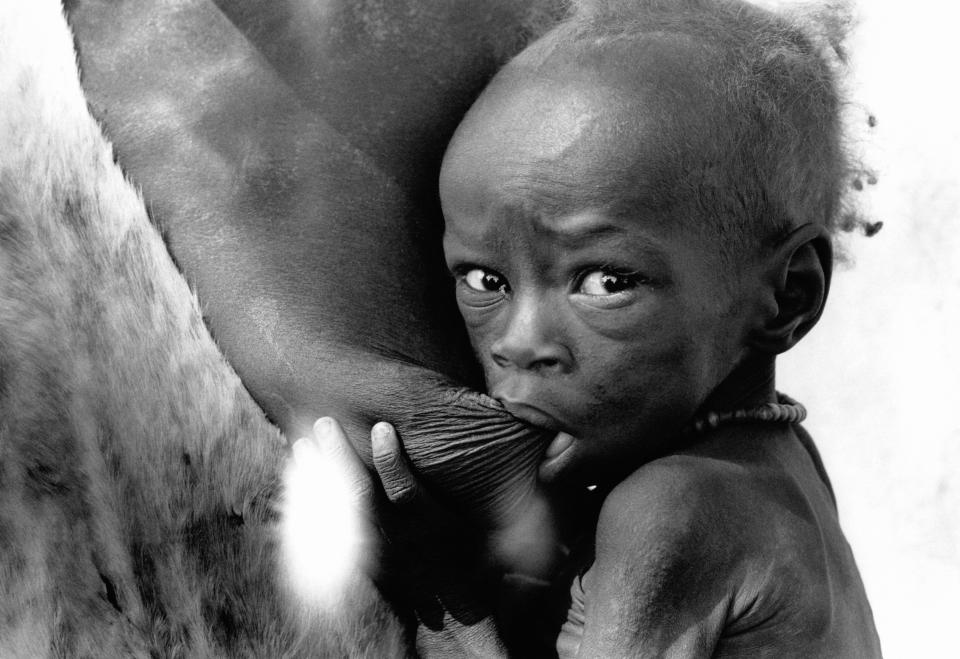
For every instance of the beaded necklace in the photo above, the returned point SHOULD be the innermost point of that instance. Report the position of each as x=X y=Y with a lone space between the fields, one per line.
x=785 y=410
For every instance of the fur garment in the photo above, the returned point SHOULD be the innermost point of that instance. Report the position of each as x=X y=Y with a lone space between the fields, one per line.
x=139 y=482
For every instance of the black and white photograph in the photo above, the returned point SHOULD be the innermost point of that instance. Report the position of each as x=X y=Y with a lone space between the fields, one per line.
x=562 y=329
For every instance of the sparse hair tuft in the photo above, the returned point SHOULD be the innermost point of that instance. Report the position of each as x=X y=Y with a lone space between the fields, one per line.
x=778 y=155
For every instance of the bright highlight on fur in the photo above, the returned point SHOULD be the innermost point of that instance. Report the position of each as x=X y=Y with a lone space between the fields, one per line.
x=324 y=539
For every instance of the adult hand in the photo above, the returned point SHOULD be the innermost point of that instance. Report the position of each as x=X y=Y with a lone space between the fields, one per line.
x=419 y=553
x=433 y=562
x=329 y=542
x=522 y=571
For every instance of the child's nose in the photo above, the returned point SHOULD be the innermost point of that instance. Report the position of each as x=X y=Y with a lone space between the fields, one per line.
x=530 y=340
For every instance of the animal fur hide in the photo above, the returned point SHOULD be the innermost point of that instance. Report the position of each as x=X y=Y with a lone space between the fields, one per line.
x=138 y=480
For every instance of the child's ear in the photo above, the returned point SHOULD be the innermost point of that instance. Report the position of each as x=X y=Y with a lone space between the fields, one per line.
x=795 y=288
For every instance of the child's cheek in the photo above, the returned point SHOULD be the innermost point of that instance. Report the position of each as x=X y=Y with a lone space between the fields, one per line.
x=479 y=320
x=643 y=316
x=484 y=325
x=653 y=380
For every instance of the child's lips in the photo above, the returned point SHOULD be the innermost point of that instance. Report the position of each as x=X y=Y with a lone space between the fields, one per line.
x=559 y=444
x=558 y=455
x=532 y=415
x=562 y=449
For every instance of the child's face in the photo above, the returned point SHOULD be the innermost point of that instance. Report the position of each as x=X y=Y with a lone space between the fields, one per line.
x=593 y=310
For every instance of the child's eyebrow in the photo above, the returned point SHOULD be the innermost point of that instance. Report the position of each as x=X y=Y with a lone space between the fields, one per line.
x=579 y=227
x=589 y=231
x=583 y=233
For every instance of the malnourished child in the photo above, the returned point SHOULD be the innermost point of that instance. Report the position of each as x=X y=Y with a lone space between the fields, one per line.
x=639 y=212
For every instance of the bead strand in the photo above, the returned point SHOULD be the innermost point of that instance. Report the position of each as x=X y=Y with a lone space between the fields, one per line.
x=785 y=410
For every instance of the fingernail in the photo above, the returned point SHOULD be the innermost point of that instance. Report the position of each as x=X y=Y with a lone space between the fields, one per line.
x=300 y=447
x=380 y=432
x=323 y=425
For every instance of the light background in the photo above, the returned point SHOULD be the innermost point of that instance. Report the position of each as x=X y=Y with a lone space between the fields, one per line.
x=881 y=372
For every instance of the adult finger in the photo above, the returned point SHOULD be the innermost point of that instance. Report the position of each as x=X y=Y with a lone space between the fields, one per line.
x=327 y=536
x=399 y=483
x=333 y=447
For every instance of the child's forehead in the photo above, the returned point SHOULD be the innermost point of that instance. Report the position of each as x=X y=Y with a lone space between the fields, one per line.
x=581 y=129
x=588 y=114
x=659 y=74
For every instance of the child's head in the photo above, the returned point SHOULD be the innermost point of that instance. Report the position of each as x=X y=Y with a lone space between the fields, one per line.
x=638 y=211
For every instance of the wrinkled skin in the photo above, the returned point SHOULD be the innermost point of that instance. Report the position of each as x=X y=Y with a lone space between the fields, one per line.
x=289 y=151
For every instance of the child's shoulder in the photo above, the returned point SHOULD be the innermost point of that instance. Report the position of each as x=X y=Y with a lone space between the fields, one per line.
x=691 y=485
x=732 y=537
x=725 y=511
x=724 y=486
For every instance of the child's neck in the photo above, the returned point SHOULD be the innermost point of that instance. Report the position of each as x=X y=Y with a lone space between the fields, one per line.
x=749 y=385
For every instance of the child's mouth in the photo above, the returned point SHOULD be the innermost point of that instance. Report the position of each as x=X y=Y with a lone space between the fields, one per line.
x=559 y=444
x=532 y=415
x=557 y=456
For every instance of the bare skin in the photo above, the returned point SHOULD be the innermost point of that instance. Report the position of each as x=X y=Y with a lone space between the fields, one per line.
x=729 y=549
x=609 y=317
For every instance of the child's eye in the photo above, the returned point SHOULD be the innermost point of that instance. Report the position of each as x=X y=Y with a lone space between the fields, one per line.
x=606 y=282
x=485 y=281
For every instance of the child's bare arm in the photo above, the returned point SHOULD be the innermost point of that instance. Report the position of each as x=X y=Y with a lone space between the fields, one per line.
x=659 y=584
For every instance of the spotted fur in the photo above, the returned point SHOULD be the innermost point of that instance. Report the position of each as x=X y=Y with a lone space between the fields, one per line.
x=138 y=480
